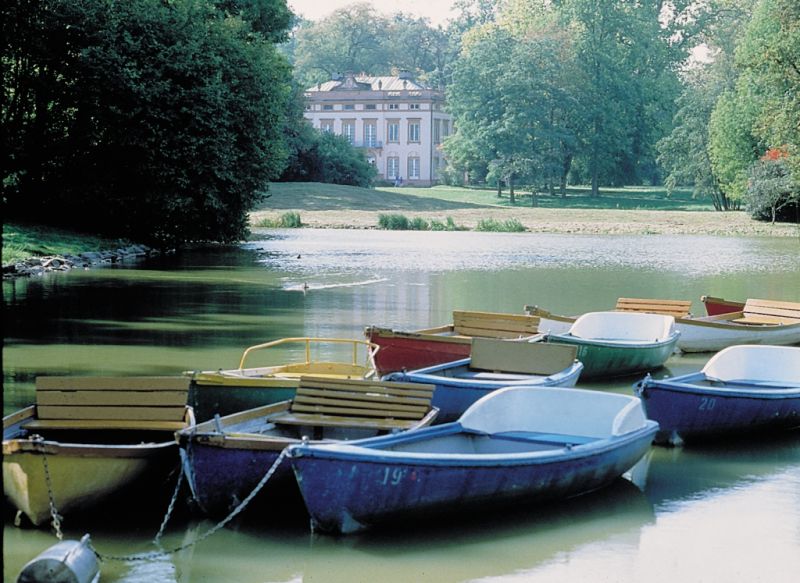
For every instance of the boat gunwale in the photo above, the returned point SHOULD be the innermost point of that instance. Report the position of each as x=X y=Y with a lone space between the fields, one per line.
x=427 y=375
x=367 y=451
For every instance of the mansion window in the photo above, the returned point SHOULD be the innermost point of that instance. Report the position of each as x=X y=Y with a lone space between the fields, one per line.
x=327 y=107
x=326 y=125
x=393 y=131
x=370 y=106
x=394 y=106
x=413 y=131
x=413 y=168
x=370 y=134
x=413 y=106
x=349 y=107
x=392 y=167
x=349 y=130
x=437 y=131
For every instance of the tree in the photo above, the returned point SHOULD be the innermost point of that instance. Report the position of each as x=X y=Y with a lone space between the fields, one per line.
x=162 y=119
x=772 y=194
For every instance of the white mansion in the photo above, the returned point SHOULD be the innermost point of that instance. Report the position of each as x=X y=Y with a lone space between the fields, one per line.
x=400 y=123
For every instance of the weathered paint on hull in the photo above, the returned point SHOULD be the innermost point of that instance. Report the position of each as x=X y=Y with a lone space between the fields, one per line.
x=398 y=352
x=347 y=495
x=685 y=414
x=608 y=360
x=222 y=477
x=79 y=481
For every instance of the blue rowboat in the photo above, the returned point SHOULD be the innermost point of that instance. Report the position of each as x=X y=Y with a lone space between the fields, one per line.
x=226 y=458
x=494 y=364
x=741 y=388
x=620 y=343
x=515 y=444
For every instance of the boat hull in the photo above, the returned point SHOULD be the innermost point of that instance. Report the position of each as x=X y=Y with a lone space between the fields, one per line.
x=688 y=412
x=408 y=350
x=609 y=359
x=699 y=334
x=82 y=476
x=711 y=336
x=222 y=477
x=453 y=396
x=346 y=493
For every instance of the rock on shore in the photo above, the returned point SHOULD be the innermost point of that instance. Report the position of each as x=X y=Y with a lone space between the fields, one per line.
x=34 y=266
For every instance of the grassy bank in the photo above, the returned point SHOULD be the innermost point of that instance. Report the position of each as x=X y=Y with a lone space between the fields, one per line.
x=640 y=210
x=21 y=242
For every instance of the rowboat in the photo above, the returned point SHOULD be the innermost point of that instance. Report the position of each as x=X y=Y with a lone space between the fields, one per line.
x=494 y=364
x=760 y=322
x=91 y=439
x=225 y=391
x=401 y=350
x=227 y=457
x=716 y=306
x=513 y=445
x=619 y=343
x=741 y=388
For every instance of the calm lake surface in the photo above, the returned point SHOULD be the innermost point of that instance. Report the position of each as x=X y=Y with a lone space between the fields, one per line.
x=728 y=512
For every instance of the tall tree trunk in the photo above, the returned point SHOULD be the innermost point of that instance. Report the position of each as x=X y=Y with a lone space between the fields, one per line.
x=564 y=172
x=511 y=197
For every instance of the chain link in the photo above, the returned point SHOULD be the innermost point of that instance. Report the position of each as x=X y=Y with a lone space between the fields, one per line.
x=164 y=553
x=55 y=516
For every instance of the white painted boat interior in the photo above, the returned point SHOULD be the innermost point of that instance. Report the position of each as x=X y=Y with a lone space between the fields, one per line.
x=777 y=364
x=555 y=410
x=625 y=326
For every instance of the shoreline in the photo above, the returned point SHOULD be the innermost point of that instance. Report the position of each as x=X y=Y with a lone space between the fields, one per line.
x=561 y=221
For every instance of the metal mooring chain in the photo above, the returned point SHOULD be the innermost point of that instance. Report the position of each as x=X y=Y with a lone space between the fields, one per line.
x=204 y=536
x=56 y=517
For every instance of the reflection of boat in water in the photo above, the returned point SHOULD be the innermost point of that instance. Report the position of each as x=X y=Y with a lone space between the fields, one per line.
x=678 y=474
x=485 y=544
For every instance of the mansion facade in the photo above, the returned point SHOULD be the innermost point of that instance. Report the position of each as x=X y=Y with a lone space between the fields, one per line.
x=399 y=123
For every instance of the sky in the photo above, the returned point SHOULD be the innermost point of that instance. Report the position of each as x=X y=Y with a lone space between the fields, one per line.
x=438 y=11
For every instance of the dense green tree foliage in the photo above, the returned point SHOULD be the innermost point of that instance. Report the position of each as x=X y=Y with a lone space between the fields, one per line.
x=159 y=121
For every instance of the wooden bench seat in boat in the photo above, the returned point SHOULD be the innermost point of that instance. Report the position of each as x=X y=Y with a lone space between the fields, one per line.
x=146 y=403
x=769 y=312
x=674 y=308
x=329 y=402
x=494 y=324
x=528 y=358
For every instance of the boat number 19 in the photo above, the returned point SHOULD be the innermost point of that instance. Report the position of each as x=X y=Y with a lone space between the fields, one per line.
x=393 y=476
x=706 y=404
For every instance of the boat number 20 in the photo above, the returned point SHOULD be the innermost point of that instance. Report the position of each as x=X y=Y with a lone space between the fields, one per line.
x=393 y=476
x=706 y=404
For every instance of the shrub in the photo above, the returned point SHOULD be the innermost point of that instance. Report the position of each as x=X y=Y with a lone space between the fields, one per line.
x=419 y=224
x=771 y=194
x=290 y=220
x=508 y=226
x=393 y=222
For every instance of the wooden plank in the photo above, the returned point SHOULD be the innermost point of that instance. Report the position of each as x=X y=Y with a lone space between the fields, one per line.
x=347 y=411
x=321 y=420
x=676 y=308
x=521 y=357
x=104 y=424
x=780 y=312
x=367 y=397
x=113 y=383
x=387 y=387
x=387 y=408
x=489 y=324
x=119 y=398
x=105 y=413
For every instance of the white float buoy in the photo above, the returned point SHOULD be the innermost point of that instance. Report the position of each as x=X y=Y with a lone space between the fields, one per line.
x=68 y=561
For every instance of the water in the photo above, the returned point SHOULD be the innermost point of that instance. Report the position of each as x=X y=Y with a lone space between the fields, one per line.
x=723 y=513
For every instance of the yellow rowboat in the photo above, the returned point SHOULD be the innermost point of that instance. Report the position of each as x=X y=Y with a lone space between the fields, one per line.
x=90 y=438
x=227 y=391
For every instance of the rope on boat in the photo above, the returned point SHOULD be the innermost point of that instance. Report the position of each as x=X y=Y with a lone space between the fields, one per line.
x=163 y=553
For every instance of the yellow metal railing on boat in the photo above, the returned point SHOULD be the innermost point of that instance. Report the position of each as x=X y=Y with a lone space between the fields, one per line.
x=370 y=347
